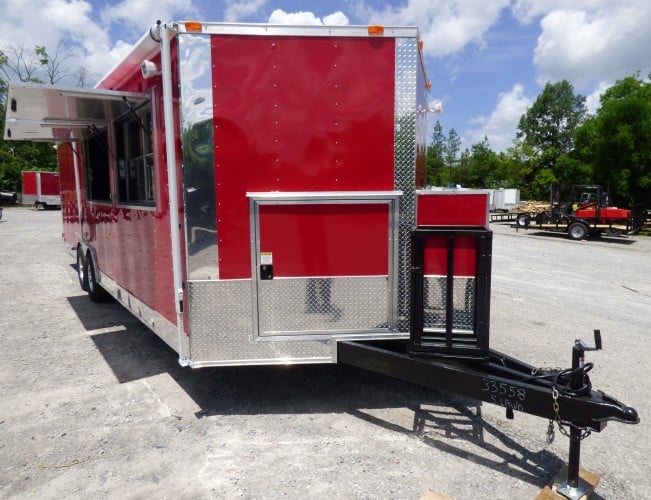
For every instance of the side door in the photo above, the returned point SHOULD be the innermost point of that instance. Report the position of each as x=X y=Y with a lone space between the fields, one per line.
x=323 y=263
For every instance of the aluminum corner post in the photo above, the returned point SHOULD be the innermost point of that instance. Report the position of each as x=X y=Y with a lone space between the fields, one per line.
x=75 y=166
x=168 y=112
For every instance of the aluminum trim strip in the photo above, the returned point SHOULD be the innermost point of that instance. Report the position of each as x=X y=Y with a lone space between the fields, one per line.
x=263 y=362
x=324 y=196
x=295 y=30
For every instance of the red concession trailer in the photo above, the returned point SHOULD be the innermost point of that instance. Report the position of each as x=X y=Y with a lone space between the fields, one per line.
x=247 y=191
x=41 y=189
x=255 y=194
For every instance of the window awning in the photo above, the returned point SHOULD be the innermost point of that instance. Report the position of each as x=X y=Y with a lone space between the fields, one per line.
x=50 y=113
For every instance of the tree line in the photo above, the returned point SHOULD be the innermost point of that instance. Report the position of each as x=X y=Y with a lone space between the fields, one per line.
x=558 y=141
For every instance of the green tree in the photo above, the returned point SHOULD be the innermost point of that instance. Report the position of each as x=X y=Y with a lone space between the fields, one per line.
x=435 y=156
x=517 y=169
x=451 y=156
x=620 y=138
x=547 y=128
x=484 y=167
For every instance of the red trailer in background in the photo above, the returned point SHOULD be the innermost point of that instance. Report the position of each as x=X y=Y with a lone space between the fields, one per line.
x=41 y=189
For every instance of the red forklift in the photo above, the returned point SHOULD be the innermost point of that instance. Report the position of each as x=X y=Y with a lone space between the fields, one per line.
x=587 y=212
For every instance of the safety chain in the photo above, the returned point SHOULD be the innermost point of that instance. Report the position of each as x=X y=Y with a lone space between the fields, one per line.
x=557 y=418
x=557 y=408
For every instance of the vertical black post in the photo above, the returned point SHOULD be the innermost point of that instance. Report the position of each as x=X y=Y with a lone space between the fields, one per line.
x=417 y=287
x=572 y=488
x=449 y=297
x=574 y=461
x=483 y=290
x=573 y=464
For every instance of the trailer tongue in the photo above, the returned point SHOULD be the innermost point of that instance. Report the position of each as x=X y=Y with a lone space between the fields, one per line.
x=449 y=359
x=564 y=397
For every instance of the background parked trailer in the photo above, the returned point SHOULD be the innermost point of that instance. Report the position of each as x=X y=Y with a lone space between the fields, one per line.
x=505 y=200
x=41 y=189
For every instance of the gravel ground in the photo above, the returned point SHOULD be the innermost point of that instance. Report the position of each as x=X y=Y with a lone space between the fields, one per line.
x=94 y=405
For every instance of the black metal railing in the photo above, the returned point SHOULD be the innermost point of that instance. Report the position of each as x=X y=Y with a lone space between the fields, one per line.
x=457 y=325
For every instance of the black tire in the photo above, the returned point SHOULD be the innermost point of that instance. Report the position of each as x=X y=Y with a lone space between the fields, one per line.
x=523 y=220
x=95 y=291
x=577 y=231
x=82 y=270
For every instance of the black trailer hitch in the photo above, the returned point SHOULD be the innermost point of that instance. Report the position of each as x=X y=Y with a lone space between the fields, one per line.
x=564 y=397
x=450 y=351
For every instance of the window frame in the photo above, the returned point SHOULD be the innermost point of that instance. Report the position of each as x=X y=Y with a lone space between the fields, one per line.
x=98 y=141
x=135 y=162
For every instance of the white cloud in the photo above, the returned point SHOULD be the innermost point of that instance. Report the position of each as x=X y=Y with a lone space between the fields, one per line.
x=592 y=101
x=84 y=30
x=527 y=11
x=445 y=26
x=500 y=126
x=279 y=16
x=237 y=10
x=65 y=19
x=336 y=19
x=140 y=14
x=587 y=47
x=590 y=43
x=68 y=20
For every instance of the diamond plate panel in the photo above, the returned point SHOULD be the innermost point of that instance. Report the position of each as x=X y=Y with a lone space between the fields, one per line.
x=434 y=300
x=406 y=79
x=297 y=306
x=221 y=329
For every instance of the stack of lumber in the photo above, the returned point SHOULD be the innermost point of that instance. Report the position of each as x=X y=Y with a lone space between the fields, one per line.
x=533 y=207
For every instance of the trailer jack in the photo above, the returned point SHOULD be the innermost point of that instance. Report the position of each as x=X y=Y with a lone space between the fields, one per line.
x=578 y=382
x=458 y=360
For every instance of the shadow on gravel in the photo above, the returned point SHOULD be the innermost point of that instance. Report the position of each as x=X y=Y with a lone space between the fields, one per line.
x=440 y=420
x=451 y=421
x=614 y=240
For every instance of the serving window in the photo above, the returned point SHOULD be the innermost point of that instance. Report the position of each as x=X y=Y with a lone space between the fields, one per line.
x=135 y=157
x=97 y=167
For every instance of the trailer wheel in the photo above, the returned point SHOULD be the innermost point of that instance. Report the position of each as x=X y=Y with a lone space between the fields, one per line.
x=523 y=220
x=82 y=270
x=95 y=291
x=577 y=231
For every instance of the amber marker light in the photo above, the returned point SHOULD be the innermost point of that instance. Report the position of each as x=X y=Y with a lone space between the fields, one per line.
x=194 y=26
x=376 y=30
